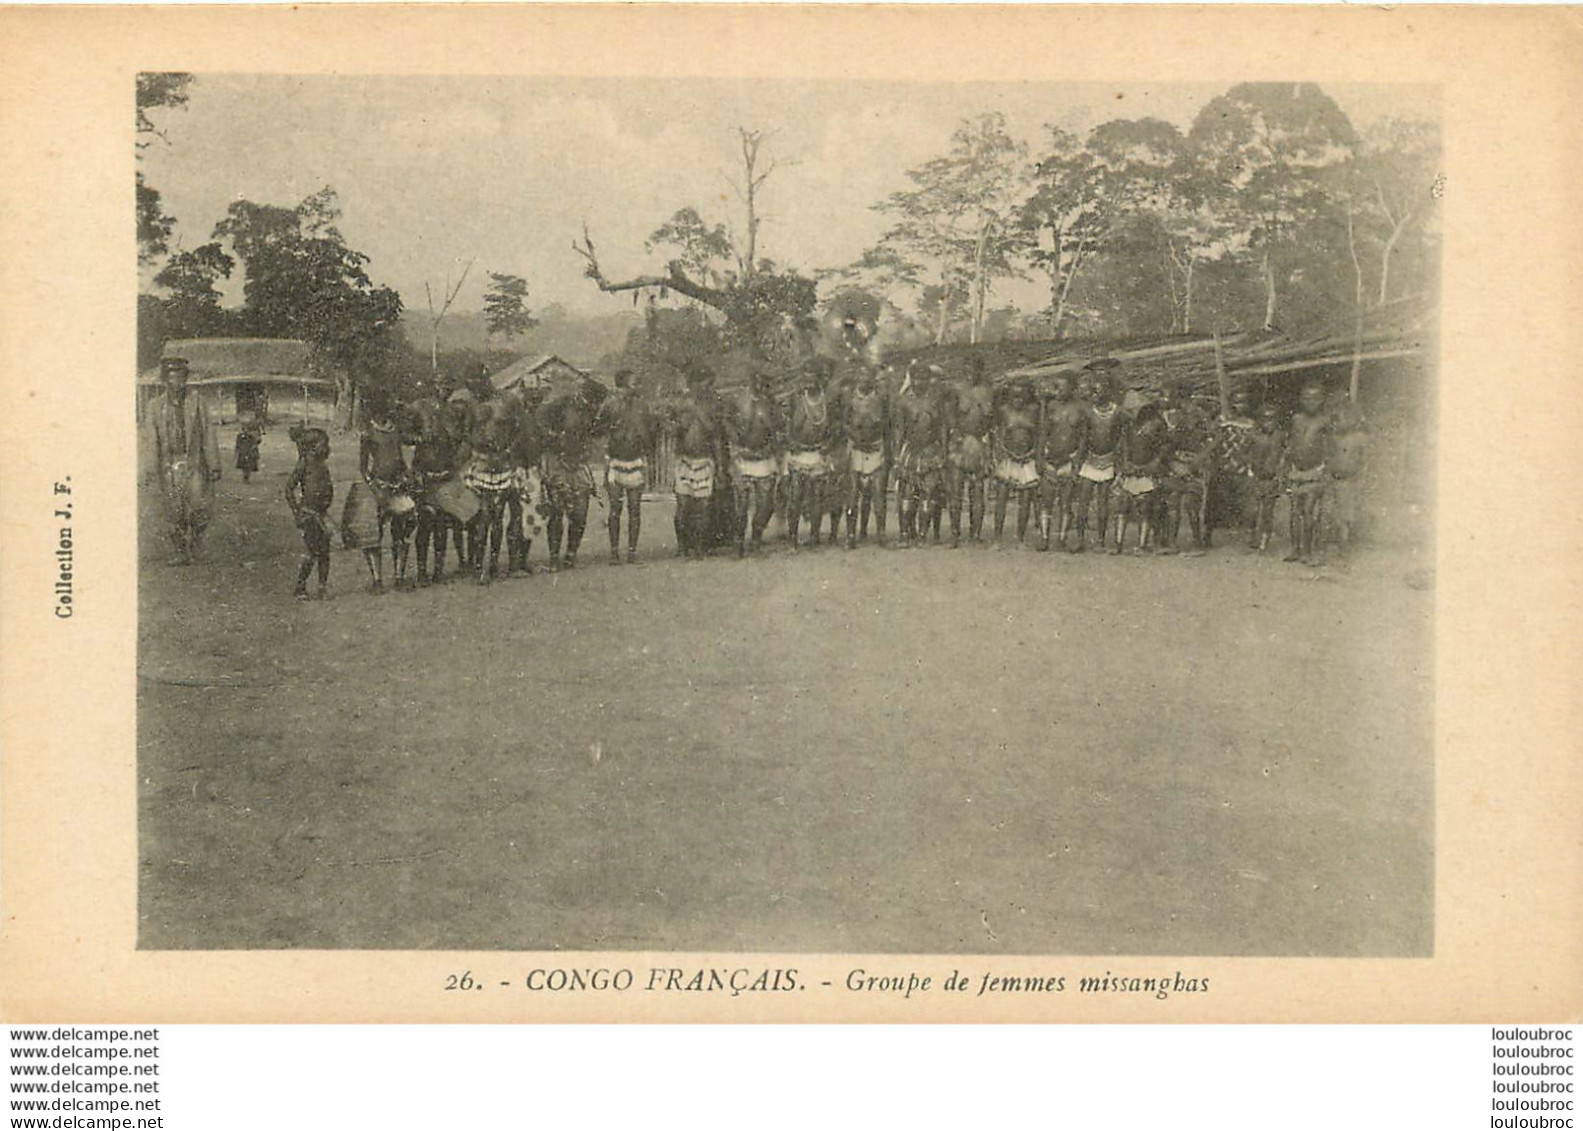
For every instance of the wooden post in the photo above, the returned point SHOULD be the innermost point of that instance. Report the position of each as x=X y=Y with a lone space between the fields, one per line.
x=1357 y=302
x=1222 y=379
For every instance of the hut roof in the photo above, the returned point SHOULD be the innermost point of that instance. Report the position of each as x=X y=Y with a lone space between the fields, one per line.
x=1396 y=331
x=229 y=361
x=546 y=369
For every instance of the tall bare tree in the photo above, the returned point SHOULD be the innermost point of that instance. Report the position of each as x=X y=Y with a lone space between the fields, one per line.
x=448 y=296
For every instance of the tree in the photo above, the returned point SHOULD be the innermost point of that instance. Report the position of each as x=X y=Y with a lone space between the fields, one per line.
x=1066 y=206
x=670 y=342
x=1399 y=165
x=958 y=223
x=754 y=174
x=302 y=280
x=506 y=306
x=699 y=247
x=939 y=306
x=1268 y=145
x=161 y=90
x=767 y=311
x=1150 y=171
x=192 y=309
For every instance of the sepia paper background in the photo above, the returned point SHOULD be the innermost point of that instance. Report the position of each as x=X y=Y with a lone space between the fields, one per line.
x=1509 y=715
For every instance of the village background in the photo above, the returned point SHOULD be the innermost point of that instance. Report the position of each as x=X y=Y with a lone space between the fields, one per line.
x=990 y=753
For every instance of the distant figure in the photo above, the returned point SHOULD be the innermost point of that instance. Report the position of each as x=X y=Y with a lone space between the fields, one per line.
x=186 y=459
x=1265 y=454
x=1305 y=473
x=309 y=493
x=628 y=424
x=248 y=438
x=1346 y=459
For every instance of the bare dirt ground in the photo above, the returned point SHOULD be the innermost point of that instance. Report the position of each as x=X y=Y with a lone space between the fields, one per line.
x=875 y=751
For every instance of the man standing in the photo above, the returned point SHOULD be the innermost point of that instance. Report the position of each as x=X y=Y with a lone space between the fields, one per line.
x=971 y=415
x=629 y=425
x=755 y=434
x=699 y=444
x=383 y=466
x=1190 y=445
x=865 y=416
x=1061 y=436
x=566 y=421
x=186 y=460
x=810 y=432
x=918 y=431
x=1231 y=486
x=1103 y=453
x=1016 y=454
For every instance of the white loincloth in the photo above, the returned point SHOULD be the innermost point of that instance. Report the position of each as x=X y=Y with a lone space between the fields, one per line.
x=626 y=474
x=695 y=478
x=481 y=477
x=1019 y=473
x=1099 y=469
x=866 y=462
x=807 y=463
x=764 y=468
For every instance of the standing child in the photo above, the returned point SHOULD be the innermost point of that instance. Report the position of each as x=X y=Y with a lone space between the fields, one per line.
x=1190 y=443
x=1265 y=453
x=309 y=493
x=1345 y=459
x=1305 y=473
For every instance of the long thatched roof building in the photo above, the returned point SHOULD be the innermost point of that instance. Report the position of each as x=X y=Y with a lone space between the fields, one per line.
x=277 y=375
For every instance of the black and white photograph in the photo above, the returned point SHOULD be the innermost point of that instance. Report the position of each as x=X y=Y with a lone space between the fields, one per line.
x=766 y=515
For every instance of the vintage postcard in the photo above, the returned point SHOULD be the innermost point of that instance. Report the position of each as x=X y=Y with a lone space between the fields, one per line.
x=780 y=514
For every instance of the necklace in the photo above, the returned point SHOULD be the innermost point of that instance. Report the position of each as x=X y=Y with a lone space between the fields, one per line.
x=824 y=409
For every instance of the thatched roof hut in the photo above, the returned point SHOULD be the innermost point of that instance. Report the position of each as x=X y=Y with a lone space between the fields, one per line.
x=546 y=371
x=239 y=374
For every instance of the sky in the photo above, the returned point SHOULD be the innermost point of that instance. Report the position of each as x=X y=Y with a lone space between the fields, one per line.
x=435 y=172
